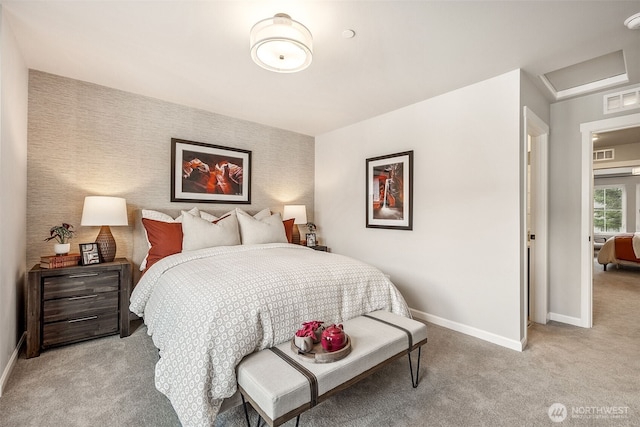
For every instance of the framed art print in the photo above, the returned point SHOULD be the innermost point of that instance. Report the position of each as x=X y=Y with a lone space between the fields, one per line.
x=390 y=191
x=208 y=173
x=311 y=239
x=89 y=253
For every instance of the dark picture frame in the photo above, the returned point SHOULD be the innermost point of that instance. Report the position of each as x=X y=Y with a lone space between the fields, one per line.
x=311 y=239
x=89 y=253
x=207 y=173
x=390 y=191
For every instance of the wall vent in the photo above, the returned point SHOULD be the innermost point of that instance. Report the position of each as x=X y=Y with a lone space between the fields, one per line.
x=601 y=155
x=622 y=101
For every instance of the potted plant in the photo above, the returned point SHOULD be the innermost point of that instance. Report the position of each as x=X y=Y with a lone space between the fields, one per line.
x=62 y=234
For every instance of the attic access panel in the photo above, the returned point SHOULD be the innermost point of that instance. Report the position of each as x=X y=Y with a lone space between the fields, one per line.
x=588 y=76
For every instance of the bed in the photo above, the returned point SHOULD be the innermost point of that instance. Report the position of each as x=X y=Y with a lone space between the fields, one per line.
x=622 y=249
x=208 y=307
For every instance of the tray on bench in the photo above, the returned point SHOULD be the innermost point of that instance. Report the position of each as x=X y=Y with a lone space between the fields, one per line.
x=319 y=355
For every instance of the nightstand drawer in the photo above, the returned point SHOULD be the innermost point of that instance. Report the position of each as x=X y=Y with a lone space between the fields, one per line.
x=78 y=284
x=80 y=306
x=79 y=329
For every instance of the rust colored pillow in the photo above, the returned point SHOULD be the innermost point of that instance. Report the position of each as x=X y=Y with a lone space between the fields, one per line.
x=165 y=239
x=288 y=229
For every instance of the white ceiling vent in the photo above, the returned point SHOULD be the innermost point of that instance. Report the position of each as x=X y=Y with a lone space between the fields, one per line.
x=588 y=76
x=601 y=155
x=622 y=101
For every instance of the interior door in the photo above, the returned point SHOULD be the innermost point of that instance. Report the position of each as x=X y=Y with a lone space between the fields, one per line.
x=537 y=136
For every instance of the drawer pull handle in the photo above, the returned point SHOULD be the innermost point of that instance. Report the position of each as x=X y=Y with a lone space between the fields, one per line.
x=75 y=276
x=82 y=297
x=83 y=319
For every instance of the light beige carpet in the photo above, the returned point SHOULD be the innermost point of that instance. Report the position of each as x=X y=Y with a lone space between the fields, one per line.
x=464 y=381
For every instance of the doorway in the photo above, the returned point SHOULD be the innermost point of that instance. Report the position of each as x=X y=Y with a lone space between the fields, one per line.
x=537 y=295
x=586 y=220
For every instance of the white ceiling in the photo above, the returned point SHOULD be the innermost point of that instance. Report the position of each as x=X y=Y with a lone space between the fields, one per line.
x=196 y=53
x=617 y=137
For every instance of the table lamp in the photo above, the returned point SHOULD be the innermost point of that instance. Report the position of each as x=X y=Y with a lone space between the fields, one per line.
x=299 y=213
x=105 y=211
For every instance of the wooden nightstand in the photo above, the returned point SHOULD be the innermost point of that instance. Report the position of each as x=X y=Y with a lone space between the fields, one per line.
x=71 y=304
x=320 y=248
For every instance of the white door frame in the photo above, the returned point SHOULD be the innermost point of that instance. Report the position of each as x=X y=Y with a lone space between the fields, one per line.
x=539 y=132
x=586 y=220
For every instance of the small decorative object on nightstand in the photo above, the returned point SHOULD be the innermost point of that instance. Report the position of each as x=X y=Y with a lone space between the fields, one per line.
x=89 y=253
x=71 y=304
x=62 y=234
x=311 y=239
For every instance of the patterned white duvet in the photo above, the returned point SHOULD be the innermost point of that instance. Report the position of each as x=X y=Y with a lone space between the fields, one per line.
x=207 y=309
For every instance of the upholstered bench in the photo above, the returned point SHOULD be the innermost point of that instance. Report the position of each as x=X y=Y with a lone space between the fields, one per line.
x=280 y=385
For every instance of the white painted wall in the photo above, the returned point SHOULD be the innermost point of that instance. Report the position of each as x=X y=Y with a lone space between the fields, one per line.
x=13 y=195
x=565 y=177
x=460 y=266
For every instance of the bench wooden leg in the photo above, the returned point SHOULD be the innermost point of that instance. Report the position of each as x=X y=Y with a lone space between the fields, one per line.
x=414 y=383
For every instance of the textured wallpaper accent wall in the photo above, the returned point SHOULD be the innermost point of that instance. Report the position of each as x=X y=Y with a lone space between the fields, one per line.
x=85 y=139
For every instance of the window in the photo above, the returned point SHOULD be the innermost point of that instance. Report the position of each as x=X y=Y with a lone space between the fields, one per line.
x=608 y=209
x=622 y=101
x=601 y=155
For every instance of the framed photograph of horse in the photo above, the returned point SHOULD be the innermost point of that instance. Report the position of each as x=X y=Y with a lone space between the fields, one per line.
x=390 y=191
x=207 y=173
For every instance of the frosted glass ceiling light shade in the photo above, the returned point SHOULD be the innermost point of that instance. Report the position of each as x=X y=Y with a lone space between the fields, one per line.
x=281 y=44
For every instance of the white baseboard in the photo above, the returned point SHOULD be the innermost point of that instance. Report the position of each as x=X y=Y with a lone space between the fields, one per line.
x=469 y=330
x=575 y=321
x=12 y=362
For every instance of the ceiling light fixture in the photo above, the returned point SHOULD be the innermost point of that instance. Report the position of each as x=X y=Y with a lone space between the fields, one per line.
x=281 y=44
x=633 y=22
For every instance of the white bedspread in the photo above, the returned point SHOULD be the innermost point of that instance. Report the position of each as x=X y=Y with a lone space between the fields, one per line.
x=635 y=242
x=207 y=309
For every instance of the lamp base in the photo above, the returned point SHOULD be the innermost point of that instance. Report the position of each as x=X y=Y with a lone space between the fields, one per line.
x=106 y=244
x=295 y=235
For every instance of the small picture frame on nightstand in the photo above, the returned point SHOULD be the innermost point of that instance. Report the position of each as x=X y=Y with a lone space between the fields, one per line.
x=311 y=239
x=89 y=254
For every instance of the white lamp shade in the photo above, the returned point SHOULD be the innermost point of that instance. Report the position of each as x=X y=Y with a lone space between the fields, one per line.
x=299 y=212
x=281 y=44
x=103 y=210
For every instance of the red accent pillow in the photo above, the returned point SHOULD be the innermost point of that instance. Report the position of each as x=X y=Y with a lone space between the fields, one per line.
x=288 y=229
x=165 y=239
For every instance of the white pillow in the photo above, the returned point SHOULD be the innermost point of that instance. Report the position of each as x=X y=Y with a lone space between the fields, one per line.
x=209 y=217
x=198 y=233
x=256 y=231
x=160 y=216
x=263 y=214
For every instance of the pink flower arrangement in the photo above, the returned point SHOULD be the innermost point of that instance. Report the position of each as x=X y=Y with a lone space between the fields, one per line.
x=311 y=329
